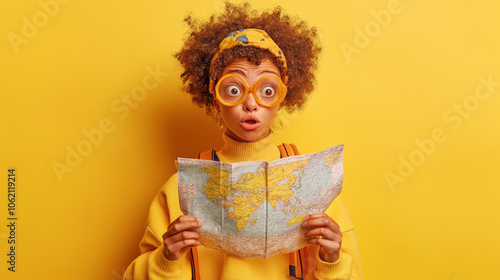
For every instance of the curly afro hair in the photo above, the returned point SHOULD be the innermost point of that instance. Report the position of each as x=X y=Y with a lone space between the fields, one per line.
x=296 y=39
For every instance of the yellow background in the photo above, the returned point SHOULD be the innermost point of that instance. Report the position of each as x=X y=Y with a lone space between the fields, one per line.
x=441 y=222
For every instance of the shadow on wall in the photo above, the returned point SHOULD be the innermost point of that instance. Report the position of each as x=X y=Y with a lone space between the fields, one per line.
x=174 y=127
x=184 y=130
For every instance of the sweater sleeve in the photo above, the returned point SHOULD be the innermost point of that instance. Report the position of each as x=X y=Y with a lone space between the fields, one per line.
x=348 y=266
x=152 y=263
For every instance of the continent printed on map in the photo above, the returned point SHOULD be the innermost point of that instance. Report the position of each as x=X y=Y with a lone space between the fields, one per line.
x=243 y=196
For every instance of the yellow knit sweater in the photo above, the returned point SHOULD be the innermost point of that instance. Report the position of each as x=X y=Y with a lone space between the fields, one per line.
x=152 y=264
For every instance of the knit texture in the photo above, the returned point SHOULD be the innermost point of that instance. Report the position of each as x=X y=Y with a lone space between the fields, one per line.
x=234 y=151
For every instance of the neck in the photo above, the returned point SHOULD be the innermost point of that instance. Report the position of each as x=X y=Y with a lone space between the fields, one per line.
x=236 y=151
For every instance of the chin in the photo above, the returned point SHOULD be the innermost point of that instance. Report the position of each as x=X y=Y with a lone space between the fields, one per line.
x=252 y=136
x=247 y=135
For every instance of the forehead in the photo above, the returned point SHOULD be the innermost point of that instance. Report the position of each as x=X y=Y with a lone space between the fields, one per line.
x=246 y=68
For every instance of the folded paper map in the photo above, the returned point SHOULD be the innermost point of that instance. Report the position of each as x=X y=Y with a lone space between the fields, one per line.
x=255 y=208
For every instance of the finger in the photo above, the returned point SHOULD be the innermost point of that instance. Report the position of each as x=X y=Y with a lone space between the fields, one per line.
x=330 y=245
x=176 y=250
x=178 y=246
x=182 y=226
x=324 y=221
x=324 y=233
x=314 y=216
x=184 y=235
x=184 y=218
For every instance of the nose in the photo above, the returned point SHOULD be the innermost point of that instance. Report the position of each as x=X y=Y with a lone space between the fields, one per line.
x=250 y=104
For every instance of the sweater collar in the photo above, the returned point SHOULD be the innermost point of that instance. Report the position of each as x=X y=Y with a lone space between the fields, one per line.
x=235 y=151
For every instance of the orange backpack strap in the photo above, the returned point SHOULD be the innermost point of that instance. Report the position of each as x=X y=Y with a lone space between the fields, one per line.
x=288 y=150
x=208 y=155
x=195 y=267
x=298 y=263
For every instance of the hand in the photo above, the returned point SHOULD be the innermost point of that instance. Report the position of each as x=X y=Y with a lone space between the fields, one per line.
x=324 y=231
x=180 y=236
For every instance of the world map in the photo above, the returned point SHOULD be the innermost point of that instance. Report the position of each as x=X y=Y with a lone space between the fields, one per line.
x=255 y=208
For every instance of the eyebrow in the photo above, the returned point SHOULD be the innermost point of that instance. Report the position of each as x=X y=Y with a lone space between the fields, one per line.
x=241 y=73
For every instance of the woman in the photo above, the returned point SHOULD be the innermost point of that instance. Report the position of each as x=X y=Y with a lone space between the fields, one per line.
x=244 y=68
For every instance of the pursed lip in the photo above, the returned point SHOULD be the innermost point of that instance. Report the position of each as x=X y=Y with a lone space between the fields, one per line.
x=250 y=122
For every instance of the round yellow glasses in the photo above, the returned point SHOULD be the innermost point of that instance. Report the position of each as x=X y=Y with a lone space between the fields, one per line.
x=232 y=89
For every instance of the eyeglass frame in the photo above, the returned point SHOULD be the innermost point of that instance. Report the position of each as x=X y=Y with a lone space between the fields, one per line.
x=283 y=88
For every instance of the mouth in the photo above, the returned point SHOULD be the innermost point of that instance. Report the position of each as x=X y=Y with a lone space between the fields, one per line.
x=250 y=123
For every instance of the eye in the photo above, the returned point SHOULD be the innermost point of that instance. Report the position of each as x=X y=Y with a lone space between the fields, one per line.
x=268 y=91
x=233 y=91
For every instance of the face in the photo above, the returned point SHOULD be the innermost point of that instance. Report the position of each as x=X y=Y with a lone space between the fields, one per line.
x=249 y=121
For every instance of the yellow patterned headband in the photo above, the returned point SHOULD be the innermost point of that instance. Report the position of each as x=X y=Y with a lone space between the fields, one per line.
x=250 y=37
